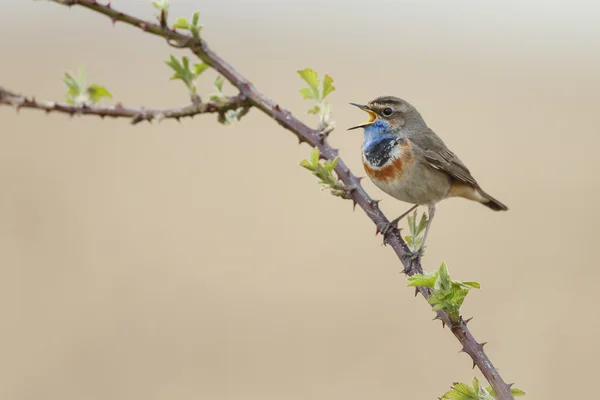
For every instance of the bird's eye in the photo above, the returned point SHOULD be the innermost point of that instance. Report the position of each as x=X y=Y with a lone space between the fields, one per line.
x=387 y=112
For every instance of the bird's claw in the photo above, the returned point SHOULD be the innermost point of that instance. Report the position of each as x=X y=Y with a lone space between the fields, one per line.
x=388 y=227
x=394 y=224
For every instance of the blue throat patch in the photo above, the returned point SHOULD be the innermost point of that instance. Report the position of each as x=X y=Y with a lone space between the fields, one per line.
x=375 y=130
x=378 y=144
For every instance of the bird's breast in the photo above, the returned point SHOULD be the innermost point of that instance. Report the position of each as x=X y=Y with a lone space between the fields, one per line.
x=386 y=160
x=401 y=175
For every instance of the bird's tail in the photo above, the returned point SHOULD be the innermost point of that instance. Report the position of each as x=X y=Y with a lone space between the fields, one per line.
x=491 y=202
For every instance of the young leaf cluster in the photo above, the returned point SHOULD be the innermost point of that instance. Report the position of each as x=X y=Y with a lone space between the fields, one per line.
x=185 y=72
x=193 y=26
x=474 y=391
x=162 y=6
x=318 y=91
x=416 y=230
x=231 y=116
x=324 y=171
x=447 y=294
x=78 y=91
x=218 y=96
x=188 y=74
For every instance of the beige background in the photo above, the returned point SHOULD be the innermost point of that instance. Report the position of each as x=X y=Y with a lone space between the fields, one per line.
x=195 y=261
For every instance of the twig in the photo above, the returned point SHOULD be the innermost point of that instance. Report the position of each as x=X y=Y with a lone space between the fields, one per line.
x=317 y=139
x=136 y=115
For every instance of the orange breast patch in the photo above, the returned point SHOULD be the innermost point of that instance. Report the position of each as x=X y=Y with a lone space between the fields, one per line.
x=387 y=173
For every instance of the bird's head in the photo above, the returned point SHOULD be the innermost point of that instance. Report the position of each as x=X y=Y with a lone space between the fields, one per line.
x=388 y=115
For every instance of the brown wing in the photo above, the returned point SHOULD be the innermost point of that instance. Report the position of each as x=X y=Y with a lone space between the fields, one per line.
x=432 y=149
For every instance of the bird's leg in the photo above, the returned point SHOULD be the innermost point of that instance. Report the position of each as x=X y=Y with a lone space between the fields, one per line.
x=394 y=223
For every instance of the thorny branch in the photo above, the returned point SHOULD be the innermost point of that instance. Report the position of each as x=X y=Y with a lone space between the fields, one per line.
x=250 y=96
x=118 y=111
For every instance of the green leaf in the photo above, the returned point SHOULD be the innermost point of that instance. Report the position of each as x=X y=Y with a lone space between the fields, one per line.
x=514 y=391
x=425 y=280
x=422 y=224
x=484 y=395
x=417 y=242
x=457 y=297
x=312 y=79
x=186 y=64
x=79 y=92
x=475 y=384
x=181 y=23
x=439 y=300
x=182 y=71
x=324 y=171
x=462 y=391
x=315 y=110
x=444 y=277
x=411 y=223
x=306 y=164
x=195 y=27
x=200 y=68
x=172 y=62
x=97 y=92
x=316 y=91
x=161 y=4
x=335 y=162
x=219 y=83
x=416 y=230
x=307 y=93
x=231 y=116
x=448 y=294
x=175 y=66
x=319 y=169
x=314 y=157
x=71 y=83
x=327 y=85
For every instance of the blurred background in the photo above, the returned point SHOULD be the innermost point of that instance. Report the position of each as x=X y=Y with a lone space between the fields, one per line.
x=192 y=260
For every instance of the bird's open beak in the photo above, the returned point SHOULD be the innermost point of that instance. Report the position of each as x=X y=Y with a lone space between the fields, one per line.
x=372 y=116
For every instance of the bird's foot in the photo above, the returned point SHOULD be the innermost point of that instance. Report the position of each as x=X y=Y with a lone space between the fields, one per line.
x=389 y=228
x=394 y=224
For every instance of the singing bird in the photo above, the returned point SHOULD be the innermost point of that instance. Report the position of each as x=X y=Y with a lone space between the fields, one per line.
x=407 y=160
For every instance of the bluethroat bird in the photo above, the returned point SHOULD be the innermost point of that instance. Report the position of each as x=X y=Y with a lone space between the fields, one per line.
x=407 y=160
